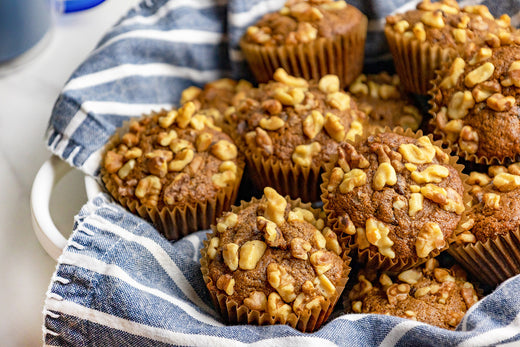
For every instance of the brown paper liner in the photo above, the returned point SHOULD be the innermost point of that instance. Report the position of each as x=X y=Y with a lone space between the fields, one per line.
x=340 y=55
x=234 y=313
x=181 y=219
x=373 y=259
x=415 y=61
x=493 y=261
x=454 y=146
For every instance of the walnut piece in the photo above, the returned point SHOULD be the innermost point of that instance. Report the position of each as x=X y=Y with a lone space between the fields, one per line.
x=429 y=238
x=377 y=234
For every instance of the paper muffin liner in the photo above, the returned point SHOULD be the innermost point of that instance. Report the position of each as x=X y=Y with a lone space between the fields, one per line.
x=341 y=55
x=415 y=61
x=181 y=219
x=493 y=261
x=235 y=313
x=470 y=158
x=373 y=259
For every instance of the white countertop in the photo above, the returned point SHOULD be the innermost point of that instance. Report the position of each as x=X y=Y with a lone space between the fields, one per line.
x=27 y=96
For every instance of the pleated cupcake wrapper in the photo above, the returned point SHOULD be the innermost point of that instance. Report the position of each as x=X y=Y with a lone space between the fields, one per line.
x=369 y=257
x=234 y=313
x=340 y=55
x=415 y=61
x=493 y=261
x=454 y=146
x=180 y=219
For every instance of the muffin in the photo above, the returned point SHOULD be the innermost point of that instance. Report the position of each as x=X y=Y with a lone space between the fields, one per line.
x=308 y=39
x=385 y=102
x=216 y=97
x=421 y=40
x=289 y=128
x=396 y=198
x=489 y=244
x=174 y=168
x=272 y=261
x=475 y=105
x=429 y=294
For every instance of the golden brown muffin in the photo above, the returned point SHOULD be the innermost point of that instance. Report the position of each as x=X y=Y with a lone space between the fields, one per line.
x=290 y=128
x=272 y=261
x=385 y=102
x=428 y=294
x=422 y=40
x=308 y=39
x=489 y=242
x=173 y=168
x=475 y=104
x=395 y=198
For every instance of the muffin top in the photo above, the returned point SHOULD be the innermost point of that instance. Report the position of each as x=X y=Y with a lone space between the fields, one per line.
x=476 y=103
x=216 y=97
x=295 y=121
x=275 y=255
x=385 y=102
x=495 y=209
x=428 y=294
x=301 y=21
x=444 y=23
x=395 y=195
x=171 y=158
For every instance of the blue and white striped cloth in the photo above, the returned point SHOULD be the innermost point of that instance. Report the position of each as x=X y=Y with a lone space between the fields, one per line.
x=119 y=282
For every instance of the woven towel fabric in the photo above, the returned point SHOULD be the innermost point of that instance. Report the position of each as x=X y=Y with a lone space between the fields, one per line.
x=119 y=282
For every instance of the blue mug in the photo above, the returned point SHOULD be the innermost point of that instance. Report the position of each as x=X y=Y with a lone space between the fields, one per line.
x=24 y=23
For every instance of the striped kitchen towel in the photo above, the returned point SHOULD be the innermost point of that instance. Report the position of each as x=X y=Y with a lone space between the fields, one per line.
x=119 y=282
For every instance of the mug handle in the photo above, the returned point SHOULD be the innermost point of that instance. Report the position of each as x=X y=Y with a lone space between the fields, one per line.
x=50 y=173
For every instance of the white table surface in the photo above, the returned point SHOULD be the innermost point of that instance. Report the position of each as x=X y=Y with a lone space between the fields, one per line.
x=27 y=96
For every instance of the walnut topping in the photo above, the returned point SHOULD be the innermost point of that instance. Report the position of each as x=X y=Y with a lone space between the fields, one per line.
x=258 y=35
x=224 y=150
x=334 y=128
x=401 y=26
x=415 y=204
x=321 y=261
x=479 y=75
x=384 y=175
x=506 y=182
x=203 y=142
x=411 y=276
x=272 y=123
x=227 y=174
x=212 y=247
x=272 y=234
x=460 y=103
x=303 y=154
x=352 y=179
x=299 y=248
x=148 y=190
x=282 y=76
x=339 y=100
x=313 y=124
x=469 y=294
x=226 y=283
x=182 y=159
x=419 y=32
x=256 y=301
x=277 y=308
x=185 y=113
x=377 y=234
x=432 y=174
x=114 y=162
x=422 y=153
x=494 y=170
x=459 y=35
x=282 y=281
x=230 y=255
x=433 y=19
x=302 y=215
x=356 y=128
x=358 y=87
x=456 y=69
x=331 y=240
x=325 y=286
x=262 y=140
x=276 y=205
x=478 y=178
x=434 y=193
x=443 y=275
x=397 y=292
x=500 y=103
x=229 y=220
x=333 y=5
x=491 y=200
x=329 y=84
x=482 y=54
x=485 y=89
x=481 y=10
x=468 y=139
x=272 y=106
x=166 y=121
x=250 y=254
x=429 y=238
x=289 y=98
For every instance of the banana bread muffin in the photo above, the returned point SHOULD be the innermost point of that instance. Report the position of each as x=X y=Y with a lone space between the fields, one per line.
x=273 y=261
